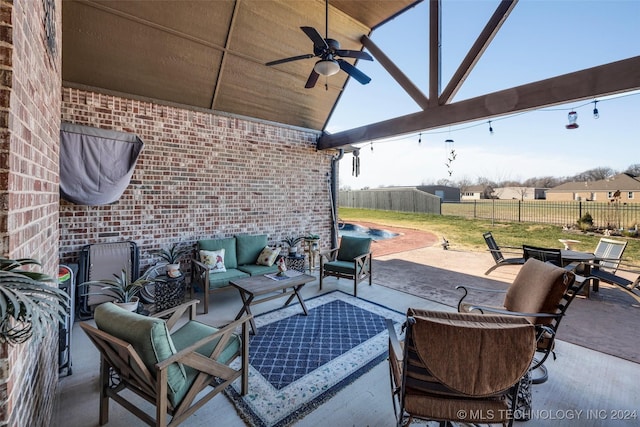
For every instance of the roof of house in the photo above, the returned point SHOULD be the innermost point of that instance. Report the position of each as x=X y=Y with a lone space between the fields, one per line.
x=622 y=182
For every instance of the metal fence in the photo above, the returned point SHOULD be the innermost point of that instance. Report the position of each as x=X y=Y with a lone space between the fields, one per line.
x=605 y=215
x=401 y=200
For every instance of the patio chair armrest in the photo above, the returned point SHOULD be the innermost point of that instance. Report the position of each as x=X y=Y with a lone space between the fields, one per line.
x=187 y=352
x=394 y=342
x=466 y=289
x=494 y=310
x=360 y=258
x=330 y=255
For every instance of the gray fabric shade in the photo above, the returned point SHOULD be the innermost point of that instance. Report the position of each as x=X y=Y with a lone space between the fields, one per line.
x=96 y=165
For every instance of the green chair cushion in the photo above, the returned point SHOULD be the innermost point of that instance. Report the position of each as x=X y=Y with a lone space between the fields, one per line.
x=148 y=336
x=193 y=331
x=219 y=280
x=229 y=246
x=352 y=247
x=346 y=267
x=256 y=270
x=248 y=248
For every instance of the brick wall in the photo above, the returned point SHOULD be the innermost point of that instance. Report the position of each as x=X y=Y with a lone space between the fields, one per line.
x=200 y=175
x=30 y=80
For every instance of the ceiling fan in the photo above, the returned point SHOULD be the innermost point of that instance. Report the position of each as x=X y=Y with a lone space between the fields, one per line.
x=329 y=52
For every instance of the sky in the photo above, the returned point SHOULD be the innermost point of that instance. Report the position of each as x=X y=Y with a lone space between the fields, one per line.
x=540 y=39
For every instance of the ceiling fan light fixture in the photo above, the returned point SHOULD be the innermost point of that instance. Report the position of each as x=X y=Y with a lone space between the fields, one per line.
x=327 y=67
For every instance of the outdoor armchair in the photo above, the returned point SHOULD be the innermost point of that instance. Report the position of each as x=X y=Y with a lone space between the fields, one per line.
x=496 y=253
x=351 y=260
x=554 y=256
x=608 y=255
x=541 y=292
x=169 y=370
x=459 y=366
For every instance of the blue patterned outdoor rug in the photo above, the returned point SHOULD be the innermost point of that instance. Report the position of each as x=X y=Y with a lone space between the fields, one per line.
x=298 y=362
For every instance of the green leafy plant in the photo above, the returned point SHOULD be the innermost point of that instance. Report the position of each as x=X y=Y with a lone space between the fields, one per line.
x=172 y=255
x=312 y=237
x=121 y=288
x=27 y=305
x=292 y=241
x=585 y=222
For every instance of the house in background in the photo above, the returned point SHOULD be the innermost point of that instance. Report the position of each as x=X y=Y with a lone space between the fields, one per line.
x=519 y=193
x=446 y=193
x=623 y=187
x=476 y=192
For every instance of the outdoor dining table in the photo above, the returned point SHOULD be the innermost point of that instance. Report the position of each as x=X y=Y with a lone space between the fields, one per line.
x=569 y=256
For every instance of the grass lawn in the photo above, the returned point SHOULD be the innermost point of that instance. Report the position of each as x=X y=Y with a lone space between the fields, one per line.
x=466 y=234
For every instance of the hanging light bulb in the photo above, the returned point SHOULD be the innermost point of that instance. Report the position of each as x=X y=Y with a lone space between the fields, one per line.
x=420 y=138
x=490 y=128
x=596 y=113
x=573 y=117
x=372 y=147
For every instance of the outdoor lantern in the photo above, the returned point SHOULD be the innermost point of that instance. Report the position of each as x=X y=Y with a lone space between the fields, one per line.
x=573 y=116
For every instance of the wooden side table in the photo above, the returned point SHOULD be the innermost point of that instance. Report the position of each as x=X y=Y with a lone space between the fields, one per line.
x=312 y=248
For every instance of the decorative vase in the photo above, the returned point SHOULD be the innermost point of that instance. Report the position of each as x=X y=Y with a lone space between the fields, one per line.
x=173 y=270
x=132 y=305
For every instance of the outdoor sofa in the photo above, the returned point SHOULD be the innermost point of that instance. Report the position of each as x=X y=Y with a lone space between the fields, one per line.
x=219 y=261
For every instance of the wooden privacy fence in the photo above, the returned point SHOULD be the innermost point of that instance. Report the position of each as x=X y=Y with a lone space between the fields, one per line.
x=401 y=200
x=605 y=215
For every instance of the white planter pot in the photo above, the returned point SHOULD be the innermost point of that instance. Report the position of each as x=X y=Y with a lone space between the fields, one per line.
x=173 y=270
x=130 y=306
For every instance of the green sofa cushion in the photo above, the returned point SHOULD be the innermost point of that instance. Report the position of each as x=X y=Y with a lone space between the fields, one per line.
x=249 y=247
x=346 y=267
x=229 y=246
x=193 y=331
x=352 y=247
x=219 y=280
x=256 y=270
x=149 y=337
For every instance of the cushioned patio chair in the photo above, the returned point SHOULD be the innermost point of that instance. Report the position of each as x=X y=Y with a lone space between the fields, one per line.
x=167 y=369
x=496 y=253
x=541 y=292
x=352 y=260
x=459 y=367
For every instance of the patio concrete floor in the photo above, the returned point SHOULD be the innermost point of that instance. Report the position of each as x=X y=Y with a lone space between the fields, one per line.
x=585 y=387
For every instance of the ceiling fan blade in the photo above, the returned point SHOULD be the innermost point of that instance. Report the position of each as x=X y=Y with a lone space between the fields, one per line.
x=293 y=58
x=354 y=72
x=315 y=37
x=311 y=81
x=354 y=54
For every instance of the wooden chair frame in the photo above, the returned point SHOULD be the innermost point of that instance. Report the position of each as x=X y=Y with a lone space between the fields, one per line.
x=361 y=266
x=119 y=357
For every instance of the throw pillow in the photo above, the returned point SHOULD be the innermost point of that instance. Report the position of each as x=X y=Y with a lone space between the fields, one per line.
x=214 y=260
x=268 y=256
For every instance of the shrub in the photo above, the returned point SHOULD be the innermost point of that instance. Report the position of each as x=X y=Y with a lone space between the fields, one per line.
x=585 y=222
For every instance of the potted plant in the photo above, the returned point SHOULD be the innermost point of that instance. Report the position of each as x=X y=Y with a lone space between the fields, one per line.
x=292 y=242
x=27 y=305
x=172 y=256
x=122 y=289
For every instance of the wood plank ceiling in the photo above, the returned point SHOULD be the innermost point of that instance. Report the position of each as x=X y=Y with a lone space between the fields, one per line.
x=211 y=55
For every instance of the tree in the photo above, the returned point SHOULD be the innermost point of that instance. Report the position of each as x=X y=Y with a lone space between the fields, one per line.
x=633 y=170
x=595 y=174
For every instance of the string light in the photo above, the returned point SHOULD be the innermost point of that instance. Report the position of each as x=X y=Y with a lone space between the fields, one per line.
x=596 y=113
x=490 y=128
x=420 y=138
x=372 y=146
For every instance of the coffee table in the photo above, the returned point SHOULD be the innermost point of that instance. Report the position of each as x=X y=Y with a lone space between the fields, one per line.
x=255 y=286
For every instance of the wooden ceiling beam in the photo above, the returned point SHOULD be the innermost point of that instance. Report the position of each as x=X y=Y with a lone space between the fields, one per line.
x=615 y=77
x=412 y=90
x=434 y=51
x=223 y=60
x=479 y=46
